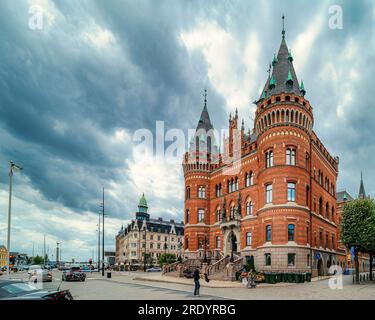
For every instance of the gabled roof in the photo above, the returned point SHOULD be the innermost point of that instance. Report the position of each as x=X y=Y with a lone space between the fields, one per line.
x=343 y=194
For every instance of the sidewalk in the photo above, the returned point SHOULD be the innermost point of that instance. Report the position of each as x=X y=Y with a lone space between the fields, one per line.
x=211 y=284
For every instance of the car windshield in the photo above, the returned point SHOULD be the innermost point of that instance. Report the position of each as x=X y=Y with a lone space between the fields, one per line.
x=17 y=288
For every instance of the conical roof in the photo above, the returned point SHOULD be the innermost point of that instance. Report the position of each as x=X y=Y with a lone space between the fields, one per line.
x=204 y=121
x=282 y=71
x=143 y=202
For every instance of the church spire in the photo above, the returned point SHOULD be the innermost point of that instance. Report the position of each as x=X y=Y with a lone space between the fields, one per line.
x=283 y=32
x=361 y=193
x=205 y=121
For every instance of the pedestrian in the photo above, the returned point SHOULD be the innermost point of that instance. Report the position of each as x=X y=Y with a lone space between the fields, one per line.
x=197 y=285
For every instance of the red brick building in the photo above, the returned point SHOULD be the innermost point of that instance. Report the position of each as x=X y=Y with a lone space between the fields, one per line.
x=270 y=196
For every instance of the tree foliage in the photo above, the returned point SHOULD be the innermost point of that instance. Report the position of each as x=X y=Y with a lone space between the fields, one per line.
x=37 y=260
x=166 y=258
x=358 y=225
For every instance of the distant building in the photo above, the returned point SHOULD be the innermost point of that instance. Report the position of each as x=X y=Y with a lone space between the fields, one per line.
x=146 y=237
x=3 y=256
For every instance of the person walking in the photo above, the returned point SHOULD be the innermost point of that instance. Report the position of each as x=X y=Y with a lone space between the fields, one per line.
x=196 y=277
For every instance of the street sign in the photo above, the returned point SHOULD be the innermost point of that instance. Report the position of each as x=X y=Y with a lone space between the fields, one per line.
x=317 y=256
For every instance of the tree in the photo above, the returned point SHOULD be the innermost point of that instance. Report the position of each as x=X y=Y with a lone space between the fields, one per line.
x=37 y=260
x=358 y=229
x=166 y=258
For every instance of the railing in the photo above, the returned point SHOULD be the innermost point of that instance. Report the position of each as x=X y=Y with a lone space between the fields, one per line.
x=170 y=267
x=218 y=266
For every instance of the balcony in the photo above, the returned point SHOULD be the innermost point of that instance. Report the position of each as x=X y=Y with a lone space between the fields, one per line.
x=230 y=221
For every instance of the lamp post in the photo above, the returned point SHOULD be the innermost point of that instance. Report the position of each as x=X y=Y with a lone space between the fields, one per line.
x=204 y=251
x=144 y=257
x=12 y=167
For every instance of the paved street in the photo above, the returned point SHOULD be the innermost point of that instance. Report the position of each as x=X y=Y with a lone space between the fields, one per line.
x=122 y=286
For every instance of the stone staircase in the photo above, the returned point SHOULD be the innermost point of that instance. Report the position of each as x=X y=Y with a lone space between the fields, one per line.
x=222 y=269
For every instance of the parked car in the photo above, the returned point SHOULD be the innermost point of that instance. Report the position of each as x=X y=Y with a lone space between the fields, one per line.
x=86 y=269
x=63 y=268
x=17 y=290
x=74 y=274
x=153 y=269
x=36 y=272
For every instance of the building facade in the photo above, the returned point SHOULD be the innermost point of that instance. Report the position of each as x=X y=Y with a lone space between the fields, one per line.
x=147 y=237
x=3 y=256
x=270 y=195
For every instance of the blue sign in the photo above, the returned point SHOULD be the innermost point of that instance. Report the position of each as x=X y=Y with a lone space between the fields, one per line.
x=352 y=253
x=317 y=255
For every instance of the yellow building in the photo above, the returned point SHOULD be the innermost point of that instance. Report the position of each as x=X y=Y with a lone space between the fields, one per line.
x=3 y=256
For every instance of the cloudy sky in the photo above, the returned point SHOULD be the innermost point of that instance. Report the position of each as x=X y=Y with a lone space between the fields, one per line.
x=73 y=93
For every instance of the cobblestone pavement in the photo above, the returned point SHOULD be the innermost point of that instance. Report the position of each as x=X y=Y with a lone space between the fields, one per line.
x=123 y=286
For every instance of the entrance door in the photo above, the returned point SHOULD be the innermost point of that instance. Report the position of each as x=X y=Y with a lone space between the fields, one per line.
x=233 y=242
x=320 y=267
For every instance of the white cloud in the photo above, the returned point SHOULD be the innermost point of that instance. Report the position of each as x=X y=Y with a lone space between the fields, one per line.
x=231 y=66
x=98 y=36
x=303 y=45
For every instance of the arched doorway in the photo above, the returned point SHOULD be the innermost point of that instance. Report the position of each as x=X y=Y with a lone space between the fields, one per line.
x=233 y=241
x=320 y=267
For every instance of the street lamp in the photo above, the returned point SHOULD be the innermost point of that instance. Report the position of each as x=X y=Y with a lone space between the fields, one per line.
x=204 y=252
x=144 y=257
x=12 y=167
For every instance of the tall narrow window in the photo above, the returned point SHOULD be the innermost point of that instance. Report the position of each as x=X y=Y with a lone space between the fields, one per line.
x=307 y=196
x=249 y=208
x=290 y=232
x=187 y=193
x=200 y=215
x=291 y=156
x=333 y=242
x=268 y=233
x=201 y=192
x=269 y=159
x=291 y=191
x=267 y=257
x=187 y=216
x=248 y=239
x=218 y=214
x=269 y=193
x=307 y=160
x=218 y=244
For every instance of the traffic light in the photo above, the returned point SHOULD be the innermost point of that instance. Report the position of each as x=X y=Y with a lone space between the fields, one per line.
x=11 y=259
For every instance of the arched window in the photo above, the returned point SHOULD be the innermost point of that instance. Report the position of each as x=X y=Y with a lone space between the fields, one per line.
x=232 y=212
x=201 y=192
x=268 y=233
x=187 y=193
x=291 y=232
x=236 y=184
x=269 y=159
x=327 y=210
x=320 y=206
x=251 y=178
x=249 y=208
x=218 y=214
x=291 y=156
x=187 y=219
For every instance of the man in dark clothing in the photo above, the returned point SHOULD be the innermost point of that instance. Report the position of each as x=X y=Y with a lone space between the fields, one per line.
x=196 y=277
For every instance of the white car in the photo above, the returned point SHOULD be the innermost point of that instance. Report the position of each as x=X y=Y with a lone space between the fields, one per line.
x=153 y=269
x=36 y=272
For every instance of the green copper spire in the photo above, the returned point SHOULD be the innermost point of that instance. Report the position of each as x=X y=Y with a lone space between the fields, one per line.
x=272 y=83
x=302 y=88
x=289 y=80
x=263 y=95
x=142 y=203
